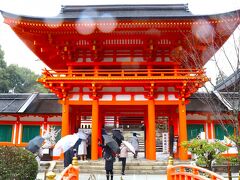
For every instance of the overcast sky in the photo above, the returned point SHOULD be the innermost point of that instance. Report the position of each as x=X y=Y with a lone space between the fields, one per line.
x=17 y=53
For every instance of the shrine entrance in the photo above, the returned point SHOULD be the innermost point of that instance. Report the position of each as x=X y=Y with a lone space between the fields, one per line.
x=128 y=119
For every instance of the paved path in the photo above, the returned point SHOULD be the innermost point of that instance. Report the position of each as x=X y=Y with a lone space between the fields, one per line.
x=40 y=176
x=116 y=177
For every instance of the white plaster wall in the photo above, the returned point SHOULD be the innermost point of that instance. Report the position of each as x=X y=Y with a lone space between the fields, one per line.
x=55 y=119
x=106 y=98
x=139 y=97
x=123 y=97
x=7 y=118
x=160 y=97
x=86 y=97
x=75 y=97
x=196 y=117
x=32 y=118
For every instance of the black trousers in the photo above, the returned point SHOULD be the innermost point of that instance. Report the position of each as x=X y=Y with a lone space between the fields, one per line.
x=135 y=155
x=123 y=163
x=109 y=172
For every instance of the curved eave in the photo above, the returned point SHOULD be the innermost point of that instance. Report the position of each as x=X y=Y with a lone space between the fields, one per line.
x=124 y=16
x=26 y=26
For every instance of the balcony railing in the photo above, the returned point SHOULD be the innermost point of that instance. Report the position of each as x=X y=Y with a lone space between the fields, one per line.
x=126 y=74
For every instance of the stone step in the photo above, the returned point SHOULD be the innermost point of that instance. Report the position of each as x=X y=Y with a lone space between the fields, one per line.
x=129 y=169
x=132 y=167
x=101 y=170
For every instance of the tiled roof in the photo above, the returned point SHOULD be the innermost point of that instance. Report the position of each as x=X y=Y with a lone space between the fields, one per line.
x=45 y=103
x=134 y=11
x=204 y=102
x=233 y=98
x=231 y=83
x=42 y=103
x=11 y=103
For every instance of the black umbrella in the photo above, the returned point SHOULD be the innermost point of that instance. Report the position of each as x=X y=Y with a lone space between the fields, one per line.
x=111 y=143
x=117 y=134
x=35 y=144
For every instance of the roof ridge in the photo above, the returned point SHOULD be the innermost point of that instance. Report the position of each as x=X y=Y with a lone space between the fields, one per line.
x=72 y=8
x=28 y=102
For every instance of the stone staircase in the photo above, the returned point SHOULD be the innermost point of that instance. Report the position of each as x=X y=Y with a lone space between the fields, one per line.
x=128 y=134
x=132 y=167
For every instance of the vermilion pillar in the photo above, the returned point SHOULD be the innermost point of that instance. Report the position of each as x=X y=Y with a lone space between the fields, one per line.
x=100 y=126
x=151 y=131
x=209 y=127
x=182 y=130
x=94 y=144
x=65 y=118
x=146 y=136
x=45 y=123
x=17 y=130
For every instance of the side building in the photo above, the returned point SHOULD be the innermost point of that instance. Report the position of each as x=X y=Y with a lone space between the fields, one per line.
x=24 y=116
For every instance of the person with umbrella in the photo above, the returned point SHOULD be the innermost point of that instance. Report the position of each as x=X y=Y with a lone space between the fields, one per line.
x=35 y=146
x=70 y=153
x=110 y=149
x=135 y=143
x=123 y=157
x=109 y=157
x=124 y=148
x=66 y=145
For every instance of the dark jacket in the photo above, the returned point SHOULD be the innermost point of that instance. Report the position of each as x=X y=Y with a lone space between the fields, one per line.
x=109 y=157
x=68 y=155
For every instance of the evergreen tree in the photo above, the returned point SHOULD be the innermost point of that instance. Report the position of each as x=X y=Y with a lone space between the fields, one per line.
x=17 y=79
x=4 y=83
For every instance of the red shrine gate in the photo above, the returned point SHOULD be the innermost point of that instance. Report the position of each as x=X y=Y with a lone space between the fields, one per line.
x=137 y=58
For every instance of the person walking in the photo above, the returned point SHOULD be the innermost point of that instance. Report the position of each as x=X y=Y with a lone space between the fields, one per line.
x=135 y=143
x=109 y=157
x=123 y=157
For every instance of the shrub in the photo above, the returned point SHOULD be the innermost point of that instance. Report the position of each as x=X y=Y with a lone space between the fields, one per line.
x=206 y=152
x=17 y=163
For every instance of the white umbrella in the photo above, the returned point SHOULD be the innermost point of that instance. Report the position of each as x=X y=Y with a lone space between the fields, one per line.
x=82 y=135
x=129 y=146
x=65 y=143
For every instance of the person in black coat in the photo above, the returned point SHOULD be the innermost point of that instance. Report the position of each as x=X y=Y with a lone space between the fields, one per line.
x=89 y=147
x=68 y=155
x=109 y=157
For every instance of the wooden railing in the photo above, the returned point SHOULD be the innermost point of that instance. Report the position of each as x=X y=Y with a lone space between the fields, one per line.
x=189 y=172
x=113 y=73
